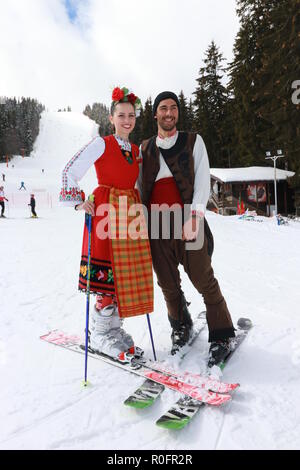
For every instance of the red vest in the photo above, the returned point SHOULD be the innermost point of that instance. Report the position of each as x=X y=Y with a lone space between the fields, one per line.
x=113 y=170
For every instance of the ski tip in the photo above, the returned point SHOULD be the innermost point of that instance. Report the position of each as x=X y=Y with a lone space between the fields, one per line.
x=220 y=399
x=235 y=386
x=244 y=323
x=172 y=424
x=140 y=405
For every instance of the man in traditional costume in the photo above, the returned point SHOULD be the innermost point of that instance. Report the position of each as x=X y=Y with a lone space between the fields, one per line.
x=175 y=170
x=121 y=268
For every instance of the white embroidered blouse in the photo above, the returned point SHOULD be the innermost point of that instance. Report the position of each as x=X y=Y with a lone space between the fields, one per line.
x=78 y=166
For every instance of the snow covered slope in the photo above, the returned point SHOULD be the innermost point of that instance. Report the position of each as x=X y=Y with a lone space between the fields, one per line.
x=43 y=405
x=61 y=136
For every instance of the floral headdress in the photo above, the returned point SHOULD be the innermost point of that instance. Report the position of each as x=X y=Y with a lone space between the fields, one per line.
x=124 y=95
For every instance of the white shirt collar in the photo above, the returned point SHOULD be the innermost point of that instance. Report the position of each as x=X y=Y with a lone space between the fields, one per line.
x=167 y=142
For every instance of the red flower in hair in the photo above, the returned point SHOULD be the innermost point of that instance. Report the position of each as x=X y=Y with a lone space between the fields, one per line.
x=131 y=98
x=117 y=94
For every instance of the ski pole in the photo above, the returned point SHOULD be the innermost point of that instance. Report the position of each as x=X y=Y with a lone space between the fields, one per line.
x=89 y=224
x=151 y=336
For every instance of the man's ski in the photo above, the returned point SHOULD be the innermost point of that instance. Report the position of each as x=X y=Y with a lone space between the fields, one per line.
x=200 y=394
x=198 y=380
x=145 y=396
x=181 y=413
x=148 y=392
x=244 y=325
x=142 y=367
x=199 y=323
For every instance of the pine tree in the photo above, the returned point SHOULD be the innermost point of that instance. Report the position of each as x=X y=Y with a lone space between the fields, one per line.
x=87 y=110
x=183 y=123
x=149 y=127
x=19 y=125
x=266 y=63
x=136 y=135
x=190 y=117
x=100 y=114
x=245 y=83
x=211 y=98
x=280 y=67
x=3 y=126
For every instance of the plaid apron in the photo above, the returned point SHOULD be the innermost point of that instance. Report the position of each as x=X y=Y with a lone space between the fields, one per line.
x=130 y=254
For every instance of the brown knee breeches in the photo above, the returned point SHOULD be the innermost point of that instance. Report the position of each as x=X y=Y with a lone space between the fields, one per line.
x=167 y=255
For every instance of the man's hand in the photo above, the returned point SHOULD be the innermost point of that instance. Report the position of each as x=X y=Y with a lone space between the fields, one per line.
x=191 y=228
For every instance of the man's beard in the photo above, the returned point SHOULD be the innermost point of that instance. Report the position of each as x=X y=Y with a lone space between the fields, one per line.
x=167 y=126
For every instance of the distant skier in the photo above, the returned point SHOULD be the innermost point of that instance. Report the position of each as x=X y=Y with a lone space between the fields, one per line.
x=32 y=205
x=2 y=203
x=22 y=185
x=3 y=177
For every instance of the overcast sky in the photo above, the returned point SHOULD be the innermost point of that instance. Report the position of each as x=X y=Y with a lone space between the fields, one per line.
x=73 y=52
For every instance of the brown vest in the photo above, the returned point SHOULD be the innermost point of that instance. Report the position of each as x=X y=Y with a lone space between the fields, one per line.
x=178 y=158
x=180 y=161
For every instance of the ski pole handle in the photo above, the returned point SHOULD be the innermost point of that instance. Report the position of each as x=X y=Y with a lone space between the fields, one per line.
x=90 y=199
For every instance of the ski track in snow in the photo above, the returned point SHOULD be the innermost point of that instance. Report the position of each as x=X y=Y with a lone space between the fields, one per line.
x=44 y=406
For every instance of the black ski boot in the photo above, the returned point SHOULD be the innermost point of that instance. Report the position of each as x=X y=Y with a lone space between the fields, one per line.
x=181 y=329
x=218 y=352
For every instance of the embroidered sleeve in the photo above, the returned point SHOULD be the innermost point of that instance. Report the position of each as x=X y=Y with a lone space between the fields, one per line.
x=76 y=168
x=202 y=178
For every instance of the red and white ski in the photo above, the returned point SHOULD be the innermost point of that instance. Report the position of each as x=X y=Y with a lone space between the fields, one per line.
x=181 y=413
x=144 y=368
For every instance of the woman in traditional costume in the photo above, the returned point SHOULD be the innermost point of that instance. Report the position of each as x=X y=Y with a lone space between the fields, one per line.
x=121 y=267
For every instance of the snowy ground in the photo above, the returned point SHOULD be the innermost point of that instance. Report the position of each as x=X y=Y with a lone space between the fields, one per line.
x=43 y=405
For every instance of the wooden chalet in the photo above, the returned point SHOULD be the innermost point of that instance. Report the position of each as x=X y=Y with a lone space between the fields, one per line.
x=235 y=189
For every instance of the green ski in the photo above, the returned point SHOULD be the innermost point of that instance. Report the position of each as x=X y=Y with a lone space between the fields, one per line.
x=148 y=392
x=145 y=395
x=181 y=413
